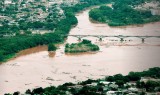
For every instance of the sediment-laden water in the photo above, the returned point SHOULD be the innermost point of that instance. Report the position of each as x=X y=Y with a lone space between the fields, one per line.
x=35 y=67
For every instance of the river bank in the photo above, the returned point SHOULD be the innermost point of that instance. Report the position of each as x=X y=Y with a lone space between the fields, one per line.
x=123 y=14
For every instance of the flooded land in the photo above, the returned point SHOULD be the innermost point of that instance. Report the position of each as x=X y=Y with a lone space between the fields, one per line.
x=35 y=67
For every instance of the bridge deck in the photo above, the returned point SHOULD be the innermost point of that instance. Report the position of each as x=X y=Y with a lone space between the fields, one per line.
x=118 y=36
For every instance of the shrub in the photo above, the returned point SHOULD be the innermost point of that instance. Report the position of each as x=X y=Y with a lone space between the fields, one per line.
x=1 y=56
x=51 y=47
x=86 y=41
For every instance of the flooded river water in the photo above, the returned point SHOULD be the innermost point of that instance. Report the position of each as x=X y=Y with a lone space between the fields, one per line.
x=35 y=67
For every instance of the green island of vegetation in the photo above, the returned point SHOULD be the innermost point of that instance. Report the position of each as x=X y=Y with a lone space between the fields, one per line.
x=124 y=12
x=84 y=46
x=135 y=83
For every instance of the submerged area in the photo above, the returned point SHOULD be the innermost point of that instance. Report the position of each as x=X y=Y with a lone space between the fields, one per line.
x=114 y=57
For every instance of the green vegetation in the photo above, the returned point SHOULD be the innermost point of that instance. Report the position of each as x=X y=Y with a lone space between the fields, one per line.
x=12 y=45
x=9 y=46
x=84 y=4
x=52 y=47
x=135 y=76
x=1 y=56
x=83 y=46
x=132 y=2
x=123 y=13
x=117 y=82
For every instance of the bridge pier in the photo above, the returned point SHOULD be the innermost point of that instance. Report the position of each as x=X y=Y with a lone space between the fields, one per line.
x=79 y=39
x=143 y=40
x=100 y=39
x=121 y=40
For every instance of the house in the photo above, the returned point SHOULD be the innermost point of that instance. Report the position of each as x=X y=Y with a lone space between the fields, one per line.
x=2 y=18
x=76 y=86
x=158 y=93
x=133 y=89
x=111 y=93
x=131 y=83
x=132 y=94
x=114 y=93
x=145 y=79
x=7 y=2
x=155 y=11
x=105 y=88
x=113 y=85
x=105 y=82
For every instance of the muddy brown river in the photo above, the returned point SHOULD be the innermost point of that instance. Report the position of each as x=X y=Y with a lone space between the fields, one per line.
x=35 y=67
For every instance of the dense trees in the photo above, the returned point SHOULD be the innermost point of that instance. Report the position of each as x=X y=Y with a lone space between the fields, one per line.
x=136 y=76
x=84 y=4
x=122 y=13
x=132 y=2
x=86 y=41
x=1 y=56
x=150 y=86
x=84 y=46
x=12 y=45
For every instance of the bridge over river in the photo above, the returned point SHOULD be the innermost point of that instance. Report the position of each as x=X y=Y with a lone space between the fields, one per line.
x=121 y=37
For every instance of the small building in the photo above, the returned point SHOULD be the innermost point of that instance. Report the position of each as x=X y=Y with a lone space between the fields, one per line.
x=114 y=86
x=155 y=11
x=105 y=82
x=92 y=84
x=111 y=93
x=76 y=86
x=6 y=2
x=145 y=79
x=105 y=89
x=133 y=89
x=131 y=83
x=132 y=94
x=2 y=18
x=158 y=93
x=114 y=93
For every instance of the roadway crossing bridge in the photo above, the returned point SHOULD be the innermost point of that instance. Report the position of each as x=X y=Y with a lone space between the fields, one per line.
x=121 y=37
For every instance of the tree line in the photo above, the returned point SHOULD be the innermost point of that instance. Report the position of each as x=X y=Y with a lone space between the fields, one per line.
x=123 y=13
